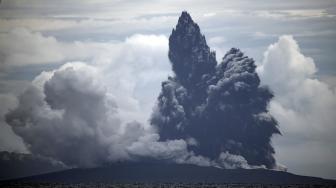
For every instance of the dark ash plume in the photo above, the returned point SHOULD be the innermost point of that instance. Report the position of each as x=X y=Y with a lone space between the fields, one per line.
x=222 y=107
x=189 y=53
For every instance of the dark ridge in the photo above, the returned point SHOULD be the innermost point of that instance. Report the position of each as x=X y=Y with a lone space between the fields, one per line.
x=156 y=173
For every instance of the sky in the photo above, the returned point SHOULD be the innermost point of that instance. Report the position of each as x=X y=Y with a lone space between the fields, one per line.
x=114 y=56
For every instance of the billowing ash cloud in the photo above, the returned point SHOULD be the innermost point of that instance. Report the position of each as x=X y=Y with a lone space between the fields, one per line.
x=68 y=117
x=221 y=107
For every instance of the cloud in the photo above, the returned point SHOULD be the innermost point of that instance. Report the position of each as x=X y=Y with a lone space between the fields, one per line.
x=9 y=141
x=217 y=40
x=88 y=28
x=293 y=13
x=294 y=67
x=210 y=14
x=38 y=24
x=36 y=48
x=304 y=105
x=65 y=115
x=133 y=70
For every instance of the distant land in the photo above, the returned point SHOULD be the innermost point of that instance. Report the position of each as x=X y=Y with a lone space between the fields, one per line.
x=164 y=172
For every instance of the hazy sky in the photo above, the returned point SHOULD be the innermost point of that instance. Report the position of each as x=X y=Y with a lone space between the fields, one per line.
x=293 y=43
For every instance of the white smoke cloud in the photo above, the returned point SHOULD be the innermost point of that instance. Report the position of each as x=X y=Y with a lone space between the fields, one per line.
x=231 y=161
x=285 y=66
x=303 y=105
